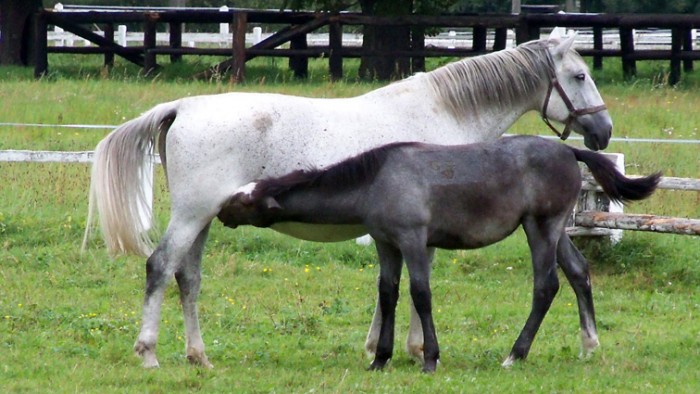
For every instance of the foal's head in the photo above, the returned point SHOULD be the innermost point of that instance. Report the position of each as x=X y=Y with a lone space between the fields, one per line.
x=245 y=208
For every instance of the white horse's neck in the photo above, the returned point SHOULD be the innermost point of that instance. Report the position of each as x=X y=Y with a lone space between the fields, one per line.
x=473 y=122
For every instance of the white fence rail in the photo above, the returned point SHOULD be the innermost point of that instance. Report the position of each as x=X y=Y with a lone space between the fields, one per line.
x=590 y=218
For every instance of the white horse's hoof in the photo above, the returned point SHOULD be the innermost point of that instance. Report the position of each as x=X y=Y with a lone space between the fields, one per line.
x=199 y=359
x=147 y=353
x=416 y=351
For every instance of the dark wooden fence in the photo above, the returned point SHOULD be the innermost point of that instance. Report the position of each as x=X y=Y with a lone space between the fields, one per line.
x=296 y=26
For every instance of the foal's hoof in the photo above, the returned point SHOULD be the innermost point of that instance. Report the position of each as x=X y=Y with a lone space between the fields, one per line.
x=378 y=365
x=508 y=362
x=588 y=346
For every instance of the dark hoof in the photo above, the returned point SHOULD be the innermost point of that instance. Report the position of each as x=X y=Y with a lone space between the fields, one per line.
x=429 y=367
x=377 y=365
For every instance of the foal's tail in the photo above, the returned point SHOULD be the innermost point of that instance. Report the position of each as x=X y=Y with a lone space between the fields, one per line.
x=618 y=187
x=117 y=186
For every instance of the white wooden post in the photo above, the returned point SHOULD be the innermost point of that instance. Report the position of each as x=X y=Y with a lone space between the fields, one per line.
x=515 y=7
x=121 y=35
x=596 y=200
x=257 y=34
x=223 y=29
x=61 y=42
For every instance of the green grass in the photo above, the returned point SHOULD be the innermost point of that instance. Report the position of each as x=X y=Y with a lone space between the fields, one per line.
x=282 y=315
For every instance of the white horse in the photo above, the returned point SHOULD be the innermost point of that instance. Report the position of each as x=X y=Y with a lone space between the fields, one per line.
x=212 y=145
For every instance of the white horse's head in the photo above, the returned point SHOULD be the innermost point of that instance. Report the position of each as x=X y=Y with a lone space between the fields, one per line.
x=573 y=98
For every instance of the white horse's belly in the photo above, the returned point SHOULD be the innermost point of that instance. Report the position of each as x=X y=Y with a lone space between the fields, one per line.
x=320 y=232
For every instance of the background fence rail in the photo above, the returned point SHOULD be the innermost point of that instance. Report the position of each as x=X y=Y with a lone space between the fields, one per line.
x=631 y=32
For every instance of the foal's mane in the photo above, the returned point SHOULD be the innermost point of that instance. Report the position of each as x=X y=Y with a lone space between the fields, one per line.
x=338 y=177
x=502 y=78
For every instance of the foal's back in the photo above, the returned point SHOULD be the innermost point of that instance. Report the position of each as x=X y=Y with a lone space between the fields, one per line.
x=473 y=195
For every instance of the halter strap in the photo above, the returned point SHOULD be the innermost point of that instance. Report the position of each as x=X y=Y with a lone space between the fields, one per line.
x=573 y=112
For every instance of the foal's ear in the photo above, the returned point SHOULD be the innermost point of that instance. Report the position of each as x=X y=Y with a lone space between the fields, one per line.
x=271 y=204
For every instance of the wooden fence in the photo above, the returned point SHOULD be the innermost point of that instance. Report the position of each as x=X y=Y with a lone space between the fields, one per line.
x=489 y=33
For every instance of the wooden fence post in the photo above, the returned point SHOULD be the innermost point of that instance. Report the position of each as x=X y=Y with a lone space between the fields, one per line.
x=41 y=60
x=175 y=29
x=594 y=200
x=418 y=44
x=149 y=42
x=109 y=35
x=335 y=43
x=240 y=22
x=299 y=63
x=676 y=46
x=479 y=39
x=500 y=38
x=629 y=65
x=598 y=46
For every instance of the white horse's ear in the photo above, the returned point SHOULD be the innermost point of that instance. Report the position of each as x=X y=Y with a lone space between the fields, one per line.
x=564 y=46
x=557 y=33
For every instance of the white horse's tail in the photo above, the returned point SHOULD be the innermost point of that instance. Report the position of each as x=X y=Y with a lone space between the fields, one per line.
x=117 y=185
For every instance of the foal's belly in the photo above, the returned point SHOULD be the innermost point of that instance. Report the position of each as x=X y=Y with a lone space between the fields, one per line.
x=320 y=232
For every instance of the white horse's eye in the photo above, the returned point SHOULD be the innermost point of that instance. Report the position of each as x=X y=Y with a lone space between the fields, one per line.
x=581 y=77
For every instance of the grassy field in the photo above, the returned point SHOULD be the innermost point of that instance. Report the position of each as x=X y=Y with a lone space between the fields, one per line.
x=282 y=315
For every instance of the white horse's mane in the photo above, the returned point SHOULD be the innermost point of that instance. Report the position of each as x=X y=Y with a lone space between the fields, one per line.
x=502 y=78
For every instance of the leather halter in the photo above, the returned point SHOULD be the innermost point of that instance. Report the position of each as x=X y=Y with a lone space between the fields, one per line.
x=573 y=112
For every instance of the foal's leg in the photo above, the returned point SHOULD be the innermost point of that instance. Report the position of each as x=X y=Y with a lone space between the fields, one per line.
x=160 y=267
x=388 y=287
x=543 y=244
x=575 y=268
x=414 y=339
x=188 y=278
x=417 y=259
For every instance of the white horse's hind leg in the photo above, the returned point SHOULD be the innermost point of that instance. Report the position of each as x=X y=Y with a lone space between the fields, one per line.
x=160 y=267
x=188 y=278
x=373 y=334
x=414 y=340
